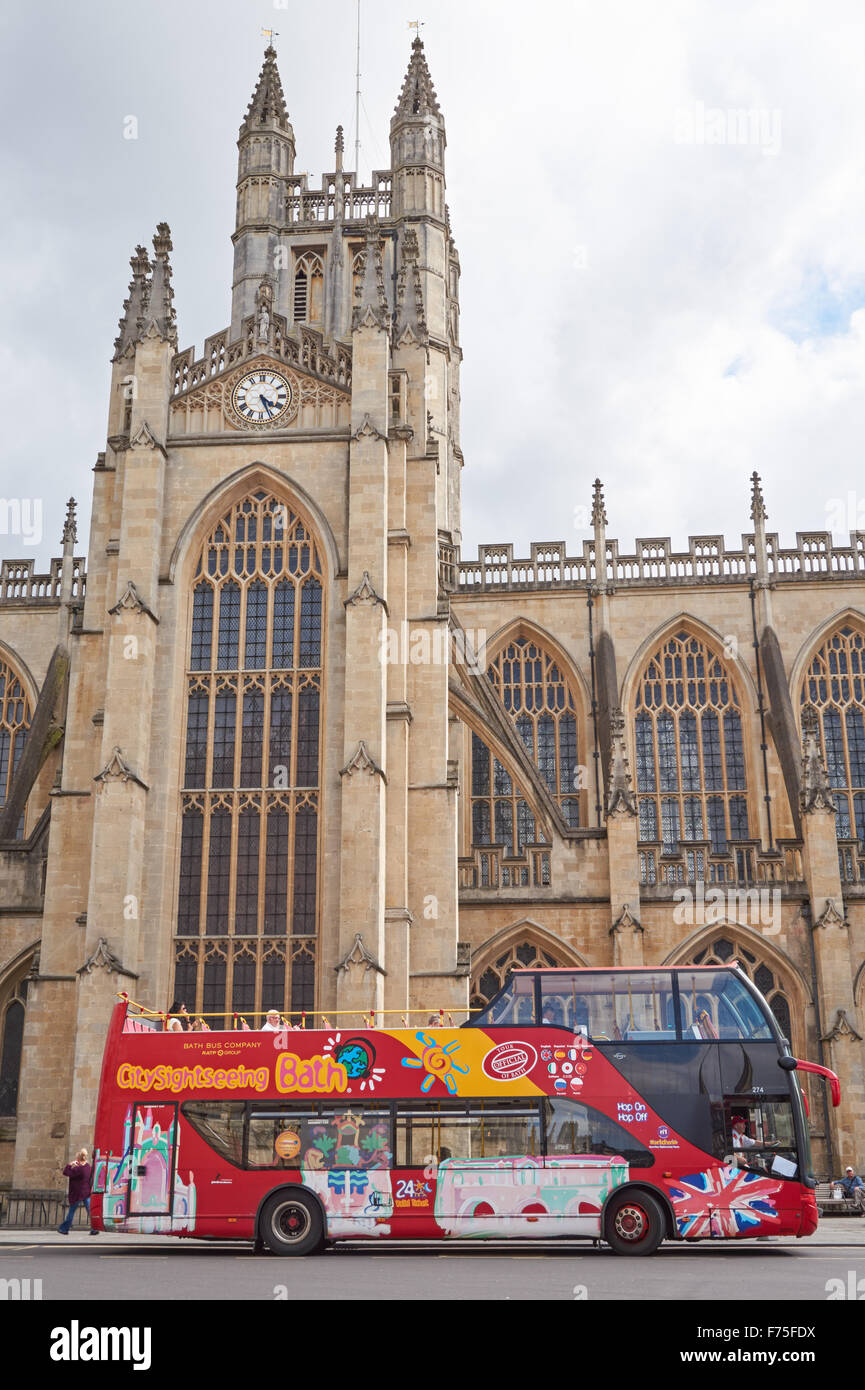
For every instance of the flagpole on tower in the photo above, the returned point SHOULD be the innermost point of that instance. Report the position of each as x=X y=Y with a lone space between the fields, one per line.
x=357 y=103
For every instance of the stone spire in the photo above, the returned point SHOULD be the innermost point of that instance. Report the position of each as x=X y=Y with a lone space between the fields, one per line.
x=70 y=536
x=410 y=319
x=372 y=308
x=161 y=318
x=418 y=96
x=758 y=506
x=599 y=511
x=265 y=160
x=816 y=792
x=339 y=148
x=599 y=524
x=267 y=107
x=761 y=552
x=135 y=305
x=417 y=145
x=70 y=528
x=620 y=797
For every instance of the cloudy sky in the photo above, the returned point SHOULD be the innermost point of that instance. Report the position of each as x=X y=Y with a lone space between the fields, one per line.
x=656 y=290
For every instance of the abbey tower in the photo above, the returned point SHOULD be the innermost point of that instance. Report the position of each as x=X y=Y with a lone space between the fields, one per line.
x=253 y=804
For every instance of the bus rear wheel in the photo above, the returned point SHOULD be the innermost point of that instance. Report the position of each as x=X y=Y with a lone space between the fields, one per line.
x=634 y=1224
x=291 y=1224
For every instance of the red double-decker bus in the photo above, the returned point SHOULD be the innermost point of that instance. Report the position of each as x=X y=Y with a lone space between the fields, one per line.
x=627 y=1105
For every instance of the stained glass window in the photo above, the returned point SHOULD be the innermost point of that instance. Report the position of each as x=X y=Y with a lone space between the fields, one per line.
x=540 y=701
x=12 y=1007
x=15 y=716
x=689 y=742
x=835 y=686
x=248 y=899
x=489 y=977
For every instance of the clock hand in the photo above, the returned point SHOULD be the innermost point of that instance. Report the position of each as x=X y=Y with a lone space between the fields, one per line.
x=266 y=404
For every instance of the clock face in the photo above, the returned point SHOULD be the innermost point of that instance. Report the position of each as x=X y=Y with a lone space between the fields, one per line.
x=262 y=397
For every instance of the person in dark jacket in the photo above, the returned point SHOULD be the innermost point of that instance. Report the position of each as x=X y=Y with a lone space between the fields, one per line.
x=78 y=1174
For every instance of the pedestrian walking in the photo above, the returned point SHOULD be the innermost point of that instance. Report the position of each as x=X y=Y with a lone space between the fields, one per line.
x=78 y=1173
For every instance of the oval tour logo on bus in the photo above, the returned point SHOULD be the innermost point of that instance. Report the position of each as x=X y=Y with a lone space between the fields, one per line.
x=287 y=1144
x=509 y=1061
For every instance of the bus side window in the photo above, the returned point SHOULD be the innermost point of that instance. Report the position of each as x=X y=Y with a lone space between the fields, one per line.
x=431 y=1132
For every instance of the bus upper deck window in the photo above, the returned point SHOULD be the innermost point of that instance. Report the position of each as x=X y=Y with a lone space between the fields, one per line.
x=717 y=1004
x=563 y=1003
x=516 y=1004
x=612 y=1006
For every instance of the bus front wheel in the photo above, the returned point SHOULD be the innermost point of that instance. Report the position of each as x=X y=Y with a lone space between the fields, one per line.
x=291 y=1224
x=634 y=1224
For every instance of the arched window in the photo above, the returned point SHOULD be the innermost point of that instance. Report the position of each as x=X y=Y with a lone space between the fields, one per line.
x=308 y=288
x=500 y=816
x=15 y=717
x=721 y=952
x=526 y=955
x=12 y=1006
x=835 y=686
x=690 y=753
x=539 y=700
x=247 y=908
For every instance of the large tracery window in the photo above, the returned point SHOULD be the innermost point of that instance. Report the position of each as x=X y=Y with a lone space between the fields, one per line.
x=835 y=686
x=690 y=754
x=247 y=914
x=15 y=716
x=12 y=1006
x=500 y=816
x=541 y=704
x=526 y=956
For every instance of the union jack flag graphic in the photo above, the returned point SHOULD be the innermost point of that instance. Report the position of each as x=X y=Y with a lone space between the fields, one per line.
x=724 y=1201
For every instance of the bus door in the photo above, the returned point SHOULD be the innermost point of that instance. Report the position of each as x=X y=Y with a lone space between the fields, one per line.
x=152 y=1161
x=759 y=1126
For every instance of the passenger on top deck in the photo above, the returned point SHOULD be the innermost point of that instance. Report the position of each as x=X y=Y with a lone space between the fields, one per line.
x=177 y=1024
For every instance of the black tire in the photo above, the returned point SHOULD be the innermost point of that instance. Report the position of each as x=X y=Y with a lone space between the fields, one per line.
x=634 y=1223
x=291 y=1224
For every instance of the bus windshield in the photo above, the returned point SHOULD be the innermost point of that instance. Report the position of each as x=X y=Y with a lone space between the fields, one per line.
x=632 y=1006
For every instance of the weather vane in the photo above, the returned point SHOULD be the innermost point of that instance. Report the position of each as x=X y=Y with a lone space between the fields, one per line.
x=270 y=34
x=417 y=25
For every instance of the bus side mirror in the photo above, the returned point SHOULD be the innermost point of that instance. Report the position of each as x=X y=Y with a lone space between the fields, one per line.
x=787 y=1063
x=834 y=1083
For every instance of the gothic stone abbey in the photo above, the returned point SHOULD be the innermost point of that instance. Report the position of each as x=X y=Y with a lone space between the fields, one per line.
x=280 y=746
